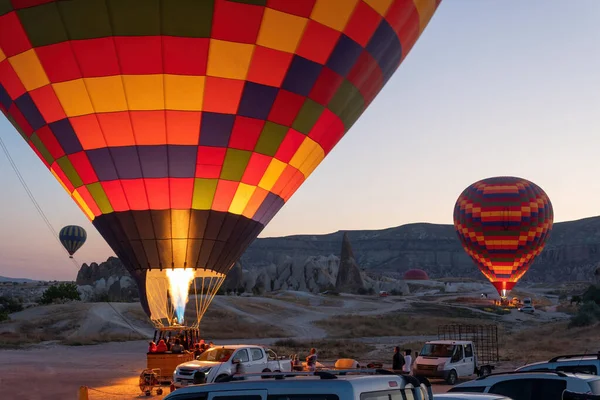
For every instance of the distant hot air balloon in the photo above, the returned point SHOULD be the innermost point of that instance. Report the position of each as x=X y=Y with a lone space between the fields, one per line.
x=503 y=224
x=181 y=127
x=72 y=238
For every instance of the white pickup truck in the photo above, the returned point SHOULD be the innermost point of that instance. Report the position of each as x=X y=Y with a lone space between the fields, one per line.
x=218 y=363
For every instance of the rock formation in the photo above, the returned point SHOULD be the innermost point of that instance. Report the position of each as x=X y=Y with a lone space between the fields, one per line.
x=349 y=278
x=107 y=281
x=572 y=252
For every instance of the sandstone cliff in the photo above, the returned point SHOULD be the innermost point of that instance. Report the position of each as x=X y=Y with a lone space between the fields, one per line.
x=572 y=252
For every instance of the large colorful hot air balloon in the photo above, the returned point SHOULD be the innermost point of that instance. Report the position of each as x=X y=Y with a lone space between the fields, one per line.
x=72 y=238
x=503 y=224
x=181 y=127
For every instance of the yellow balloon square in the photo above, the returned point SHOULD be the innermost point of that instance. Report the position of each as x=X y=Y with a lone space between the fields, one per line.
x=228 y=59
x=183 y=92
x=333 y=13
x=29 y=69
x=73 y=97
x=106 y=93
x=144 y=92
x=425 y=8
x=281 y=31
x=241 y=198
x=381 y=6
x=308 y=156
x=273 y=172
x=2 y=55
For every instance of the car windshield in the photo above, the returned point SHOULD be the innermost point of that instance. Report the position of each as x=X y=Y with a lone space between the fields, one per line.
x=437 y=350
x=220 y=354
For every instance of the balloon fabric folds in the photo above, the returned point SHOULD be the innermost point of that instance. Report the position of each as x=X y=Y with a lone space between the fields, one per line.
x=72 y=238
x=181 y=127
x=503 y=224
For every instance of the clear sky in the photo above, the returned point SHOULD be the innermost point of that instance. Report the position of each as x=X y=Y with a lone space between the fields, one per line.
x=491 y=88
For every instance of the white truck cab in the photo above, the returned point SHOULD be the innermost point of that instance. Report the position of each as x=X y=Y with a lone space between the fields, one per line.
x=218 y=363
x=527 y=306
x=447 y=359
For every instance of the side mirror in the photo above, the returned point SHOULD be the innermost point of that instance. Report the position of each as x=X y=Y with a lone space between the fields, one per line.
x=236 y=361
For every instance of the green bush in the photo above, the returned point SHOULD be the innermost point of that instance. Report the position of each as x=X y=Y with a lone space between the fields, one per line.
x=581 y=319
x=4 y=316
x=592 y=294
x=587 y=315
x=60 y=292
x=10 y=305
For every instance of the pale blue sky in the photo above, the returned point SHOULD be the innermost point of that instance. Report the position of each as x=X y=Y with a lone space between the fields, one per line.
x=492 y=87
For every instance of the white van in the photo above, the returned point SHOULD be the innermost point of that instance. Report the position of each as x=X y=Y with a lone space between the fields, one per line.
x=321 y=385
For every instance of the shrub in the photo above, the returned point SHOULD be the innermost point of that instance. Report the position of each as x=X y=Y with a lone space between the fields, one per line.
x=10 y=305
x=592 y=294
x=4 y=316
x=581 y=319
x=60 y=292
x=588 y=314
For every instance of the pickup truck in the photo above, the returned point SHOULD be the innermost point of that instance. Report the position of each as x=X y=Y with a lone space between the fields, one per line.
x=462 y=351
x=218 y=363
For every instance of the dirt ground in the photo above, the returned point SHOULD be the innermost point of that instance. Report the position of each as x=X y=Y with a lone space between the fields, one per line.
x=365 y=327
x=110 y=370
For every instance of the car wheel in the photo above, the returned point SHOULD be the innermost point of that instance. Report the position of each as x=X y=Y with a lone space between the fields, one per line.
x=451 y=379
x=222 y=378
x=266 y=376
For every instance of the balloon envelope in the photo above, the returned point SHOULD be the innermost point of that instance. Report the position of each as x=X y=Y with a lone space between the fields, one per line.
x=503 y=224
x=181 y=127
x=72 y=238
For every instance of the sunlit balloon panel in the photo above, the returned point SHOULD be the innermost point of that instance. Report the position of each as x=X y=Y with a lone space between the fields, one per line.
x=503 y=224
x=181 y=127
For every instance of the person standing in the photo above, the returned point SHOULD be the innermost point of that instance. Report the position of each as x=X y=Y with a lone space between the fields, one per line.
x=311 y=360
x=408 y=361
x=398 y=360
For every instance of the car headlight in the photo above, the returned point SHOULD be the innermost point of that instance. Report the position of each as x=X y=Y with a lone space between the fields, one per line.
x=440 y=367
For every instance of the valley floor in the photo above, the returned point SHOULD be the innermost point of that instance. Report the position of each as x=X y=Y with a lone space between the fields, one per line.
x=61 y=354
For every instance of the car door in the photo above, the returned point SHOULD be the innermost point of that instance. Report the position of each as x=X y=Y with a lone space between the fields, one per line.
x=469 y=360
x=457 y=362
x=242 y=355
x=531 y=389
x=258 y=360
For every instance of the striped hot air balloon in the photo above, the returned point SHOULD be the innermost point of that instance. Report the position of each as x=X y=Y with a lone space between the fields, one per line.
x=503 y=224
x=181 y=127
x=72 y=238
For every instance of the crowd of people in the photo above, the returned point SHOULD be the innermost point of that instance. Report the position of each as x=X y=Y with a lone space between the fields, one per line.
x=178 y=345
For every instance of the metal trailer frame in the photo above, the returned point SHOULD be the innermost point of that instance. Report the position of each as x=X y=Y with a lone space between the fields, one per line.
x=485 y=338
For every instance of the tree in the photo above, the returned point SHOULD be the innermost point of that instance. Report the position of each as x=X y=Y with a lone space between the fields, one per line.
x=60 y=292
x=576 y=300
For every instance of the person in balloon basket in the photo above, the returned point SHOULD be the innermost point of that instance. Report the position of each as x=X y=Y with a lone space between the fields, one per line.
x=311 y=360
x=398 y=360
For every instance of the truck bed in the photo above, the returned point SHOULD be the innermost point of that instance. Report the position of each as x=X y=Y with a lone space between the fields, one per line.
x=484 y=337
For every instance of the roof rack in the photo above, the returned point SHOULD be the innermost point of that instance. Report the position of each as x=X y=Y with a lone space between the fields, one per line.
x=555 y=359
x=559 y=373
x=323 y=374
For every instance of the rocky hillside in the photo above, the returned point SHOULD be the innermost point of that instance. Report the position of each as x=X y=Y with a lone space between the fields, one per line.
x=572 y=252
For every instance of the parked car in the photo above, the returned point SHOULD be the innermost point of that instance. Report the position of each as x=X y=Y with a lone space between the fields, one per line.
x=218 y=363
x=321 y=385
x=577 y=363
x=533 y=385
